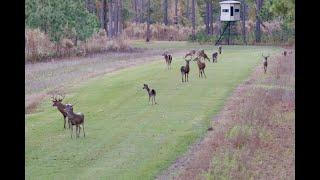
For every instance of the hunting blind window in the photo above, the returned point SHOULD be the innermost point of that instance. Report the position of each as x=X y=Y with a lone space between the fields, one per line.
x=225 y=10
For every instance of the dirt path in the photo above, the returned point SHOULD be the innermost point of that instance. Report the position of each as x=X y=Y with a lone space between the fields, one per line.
x=42 y=78
x=277 y=162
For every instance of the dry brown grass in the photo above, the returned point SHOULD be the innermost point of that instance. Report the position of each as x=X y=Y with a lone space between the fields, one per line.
x=39 y=47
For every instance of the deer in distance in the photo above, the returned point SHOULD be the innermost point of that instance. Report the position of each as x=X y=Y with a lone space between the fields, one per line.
x=57 y=102
x=285 y=53
x=75 y=119
x=151 y=93
x=265 y=63
x=190 y=53
x=203 y=55
x=168 y=59
x=214 y=57
x=185 y=70
x=220 y=49
x=201 y=66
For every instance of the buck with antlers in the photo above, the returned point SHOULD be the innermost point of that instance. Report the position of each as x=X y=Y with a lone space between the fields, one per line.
x=265 y=63
x=152 y=93
x=203 y=55
x=75 y=119
x=201 y=66
x=185 y=70
x=57 y=102
x=190 y=53
x=168 y=59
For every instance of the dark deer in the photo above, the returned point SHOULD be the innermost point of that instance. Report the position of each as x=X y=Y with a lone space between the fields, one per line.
x=152 y=94
x=57 y=102
x=265 y=63
x=75 y=119
x=285 y=53
x=220 y=49
x=185 y=70
x=203 y=55
x=214 y=57
x=191 y=53
x=168 y=59
x=201 y=66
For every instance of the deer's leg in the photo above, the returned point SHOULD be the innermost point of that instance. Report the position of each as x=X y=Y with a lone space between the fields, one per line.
x=71 y=130
x=204 y=73
x=84 y=134
x=149 y=100
x=64 y=122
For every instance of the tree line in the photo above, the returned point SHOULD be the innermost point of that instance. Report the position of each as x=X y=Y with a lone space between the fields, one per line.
x=79 y=19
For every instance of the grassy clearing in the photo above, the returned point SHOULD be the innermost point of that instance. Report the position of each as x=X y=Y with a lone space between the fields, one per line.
x=126 y=137
x=258 y=142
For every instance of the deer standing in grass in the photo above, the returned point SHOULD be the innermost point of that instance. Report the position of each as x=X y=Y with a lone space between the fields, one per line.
x=57 y=102
x=220 y=49
x=168 y=59
x=201 y=66
x=185 y=70
x=203 y=55
x=214 y=57
x=151 y=93
x=285 y=53
x=265 y=63
x=75 y=119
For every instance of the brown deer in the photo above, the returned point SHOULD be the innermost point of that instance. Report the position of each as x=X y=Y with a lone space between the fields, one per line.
x=201 y=66
x=75 y=119
x=265 y=63
x=57 y=102
x=220 y=49
x=152 y=94
x=190 y=53
x=203 y=55
x=214 y=57
x=168 y=59
x=185 y=70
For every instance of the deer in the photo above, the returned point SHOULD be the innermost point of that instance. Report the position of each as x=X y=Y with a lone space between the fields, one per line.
x=201 y=66
x=265 y=63
x=285 y=53
x=203 y=55
x=60 y=106
x=214 y=57
x=190 y=53
x=168 y=59
x=220 y=49
x=151 y=93
x=185 y=70
x=75 y=119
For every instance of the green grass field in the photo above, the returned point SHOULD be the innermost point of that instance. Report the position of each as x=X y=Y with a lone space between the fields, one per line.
x=125 y=137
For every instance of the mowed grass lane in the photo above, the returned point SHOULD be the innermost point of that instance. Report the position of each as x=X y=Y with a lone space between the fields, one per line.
x=125 y=137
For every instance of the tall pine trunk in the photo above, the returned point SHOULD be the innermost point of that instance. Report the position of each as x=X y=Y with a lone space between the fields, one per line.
x=210 y=18
x=187 y=10
x=244 y=21
x=148 y=22
x=165 y=12
x=176 y=11
x=120 y=17
x=193 y=20
x=207 y=17
x=110 y=18
x=116 y=18
x=258 y=20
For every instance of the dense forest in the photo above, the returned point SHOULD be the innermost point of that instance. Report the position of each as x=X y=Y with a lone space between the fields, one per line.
x=58 y=28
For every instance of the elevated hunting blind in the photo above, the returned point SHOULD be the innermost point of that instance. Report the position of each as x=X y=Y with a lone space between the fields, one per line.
x=229 y=12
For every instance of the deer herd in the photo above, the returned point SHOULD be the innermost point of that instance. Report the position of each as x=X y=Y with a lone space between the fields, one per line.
x=77 y=119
